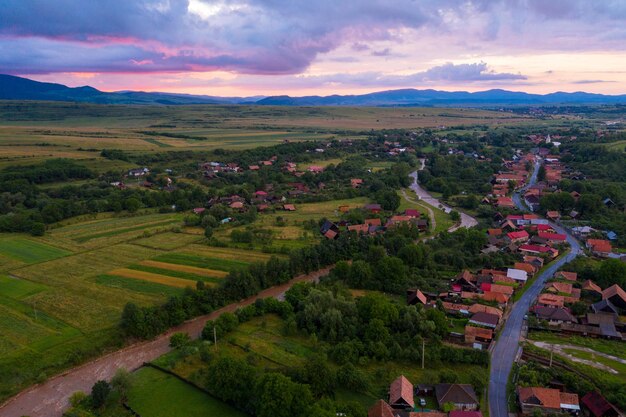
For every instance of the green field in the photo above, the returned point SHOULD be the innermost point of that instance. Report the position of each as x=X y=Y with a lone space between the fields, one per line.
x=29 y=251
x=157 y=394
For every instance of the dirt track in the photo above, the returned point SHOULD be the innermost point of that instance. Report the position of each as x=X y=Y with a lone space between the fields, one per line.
x=51 y=398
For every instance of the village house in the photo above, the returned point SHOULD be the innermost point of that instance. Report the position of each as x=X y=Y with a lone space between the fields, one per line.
x=550 y=300
x=415 y=296
x=485 y=319
x=478 y=335
x=554 y=316
x=598 y=406
x=401 y=394
x=462 y=396
x=599 y=247
x=616 y=295
x=547 y=400
x=569 y=276
x=138 y=172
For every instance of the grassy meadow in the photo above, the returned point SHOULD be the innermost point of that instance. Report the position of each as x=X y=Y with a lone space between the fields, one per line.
x=157 y=394
x=31 y=132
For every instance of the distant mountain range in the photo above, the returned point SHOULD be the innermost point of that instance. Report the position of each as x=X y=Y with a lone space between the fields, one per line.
x=18 y=88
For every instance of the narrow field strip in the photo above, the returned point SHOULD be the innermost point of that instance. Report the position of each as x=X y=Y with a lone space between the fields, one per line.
x=227 y=253
x=201 y=261
x=211 y=273
x=137 y=285
x=176 y=274
x=115 y=232
x=151 y=277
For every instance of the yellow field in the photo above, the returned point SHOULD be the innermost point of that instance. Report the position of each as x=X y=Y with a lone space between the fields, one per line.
x=186 y=268
x=149 y=276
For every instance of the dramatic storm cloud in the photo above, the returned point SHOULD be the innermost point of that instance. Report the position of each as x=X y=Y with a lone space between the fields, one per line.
x=412 y=42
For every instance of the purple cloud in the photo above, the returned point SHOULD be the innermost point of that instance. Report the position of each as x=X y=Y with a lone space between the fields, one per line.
x=284 y=37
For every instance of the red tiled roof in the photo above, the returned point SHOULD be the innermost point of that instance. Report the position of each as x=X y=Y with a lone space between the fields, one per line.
x=552 y=236
x=599 y=245
x=380 y=409
x=596 y=403
x=570 y=276
x=534 y=248
x=476 y=308
x=614 y=290
x=522 y=234
x=401 y=390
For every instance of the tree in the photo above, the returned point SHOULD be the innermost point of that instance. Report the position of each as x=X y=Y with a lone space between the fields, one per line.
x=132 y=204
x=231 y=380
x=99 y=393
x=122 y=382
x=279 y=396
x=208 y=232
x=388 y=199
x=178 y=340
x=455 y=216
x=579 y=308
x=37 y=229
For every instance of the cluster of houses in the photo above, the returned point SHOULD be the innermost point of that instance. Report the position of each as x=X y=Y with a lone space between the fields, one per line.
x=604 y=307
x=514 y=174
x=527 y=234
x=262 y=200
x=375 y=224
x=459 y=398
x=480 y=298
x=555 y=401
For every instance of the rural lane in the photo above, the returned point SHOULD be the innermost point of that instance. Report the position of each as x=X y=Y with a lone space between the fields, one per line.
x=506 y=348
x=466 y=220
x=51 y=398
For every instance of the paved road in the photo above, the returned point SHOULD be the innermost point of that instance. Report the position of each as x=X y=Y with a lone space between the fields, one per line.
x=505 y=351
x=466 y=220
x=50 y=399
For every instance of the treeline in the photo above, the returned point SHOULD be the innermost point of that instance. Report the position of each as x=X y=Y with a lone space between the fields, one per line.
x=53 y=170
x=147 y=322
x=396 y=262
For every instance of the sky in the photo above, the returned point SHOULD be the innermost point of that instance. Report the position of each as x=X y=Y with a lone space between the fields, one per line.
x=317 y=47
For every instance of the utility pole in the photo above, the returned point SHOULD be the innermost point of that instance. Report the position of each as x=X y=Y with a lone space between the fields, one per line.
x=215 y=337
x=423 y=349
x=551 y=355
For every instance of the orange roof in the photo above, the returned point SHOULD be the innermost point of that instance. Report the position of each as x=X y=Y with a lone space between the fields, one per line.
x=524 y=267
x=494 y=232
x=479 y=332
x=599 y=245
x=401 y=390
x=570 y=276
x=589 y=285
x=563 y=287
x=551 y=300
x=380 y=409
x=373 y=222
x=547 y=397
x=614 y=290
x=496 y=296
x=502 y=289
x=481 y=308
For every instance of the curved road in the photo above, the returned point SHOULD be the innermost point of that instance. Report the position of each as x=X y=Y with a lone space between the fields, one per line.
x=466 y=220
x=505 y=351
x=51 y=398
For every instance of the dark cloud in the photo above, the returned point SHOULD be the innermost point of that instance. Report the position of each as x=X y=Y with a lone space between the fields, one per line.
x=278 y=36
